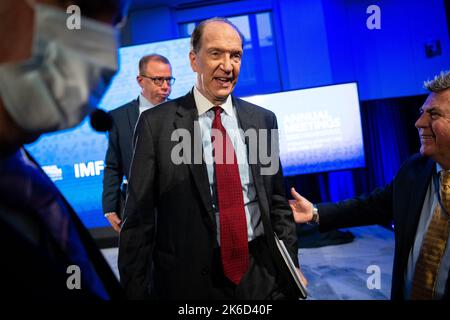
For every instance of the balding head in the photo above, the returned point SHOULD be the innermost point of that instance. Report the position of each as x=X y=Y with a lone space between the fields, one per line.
x=196 y=36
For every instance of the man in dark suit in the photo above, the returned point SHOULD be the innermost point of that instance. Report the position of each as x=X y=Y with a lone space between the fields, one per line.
x=155 y=79
x=46 y=252
x=198 y=227
x=417 y=200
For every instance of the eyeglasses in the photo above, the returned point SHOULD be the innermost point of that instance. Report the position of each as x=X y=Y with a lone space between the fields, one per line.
x=160 y=80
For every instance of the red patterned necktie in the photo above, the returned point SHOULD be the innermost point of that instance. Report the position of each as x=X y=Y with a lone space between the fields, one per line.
x=233 y=223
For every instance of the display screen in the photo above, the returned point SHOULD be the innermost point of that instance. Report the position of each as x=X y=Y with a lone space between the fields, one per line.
x=319 y=128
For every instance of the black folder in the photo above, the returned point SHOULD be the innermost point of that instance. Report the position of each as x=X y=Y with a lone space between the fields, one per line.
x=291 y=267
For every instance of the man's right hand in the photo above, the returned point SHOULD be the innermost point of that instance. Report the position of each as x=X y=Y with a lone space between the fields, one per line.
x=301 y=208
x=114 y=220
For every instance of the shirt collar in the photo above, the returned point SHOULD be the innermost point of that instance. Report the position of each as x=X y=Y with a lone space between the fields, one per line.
x=203 y=104
x=439 y=169
x=143 y=102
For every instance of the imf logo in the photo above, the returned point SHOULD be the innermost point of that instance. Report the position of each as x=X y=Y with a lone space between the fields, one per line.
x=88 y=169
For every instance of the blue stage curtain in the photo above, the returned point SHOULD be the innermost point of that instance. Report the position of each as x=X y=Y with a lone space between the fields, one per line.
x=386 y=144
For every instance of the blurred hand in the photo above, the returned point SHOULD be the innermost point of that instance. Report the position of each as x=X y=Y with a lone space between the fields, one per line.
x=114 y=220
x=302 y=277
x=301 y=208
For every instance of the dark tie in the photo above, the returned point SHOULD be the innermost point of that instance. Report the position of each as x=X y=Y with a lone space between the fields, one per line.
x=433 y=246
x=233 y=223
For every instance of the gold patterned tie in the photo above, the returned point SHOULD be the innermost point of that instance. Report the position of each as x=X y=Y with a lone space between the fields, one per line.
x=433 y=246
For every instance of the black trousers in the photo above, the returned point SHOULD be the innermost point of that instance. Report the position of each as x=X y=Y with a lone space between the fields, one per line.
x=262 y=281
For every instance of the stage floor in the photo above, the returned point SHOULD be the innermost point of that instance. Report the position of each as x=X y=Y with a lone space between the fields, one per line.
x=340 y=272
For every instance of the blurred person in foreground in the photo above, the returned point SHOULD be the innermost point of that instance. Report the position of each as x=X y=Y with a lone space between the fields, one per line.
x=417 y=200
x=51 y=77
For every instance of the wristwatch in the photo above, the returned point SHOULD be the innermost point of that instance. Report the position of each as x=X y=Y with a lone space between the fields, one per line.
x=315 y=215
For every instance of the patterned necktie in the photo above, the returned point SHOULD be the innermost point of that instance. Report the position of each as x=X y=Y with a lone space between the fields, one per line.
x=233 y=223
x=433 y=246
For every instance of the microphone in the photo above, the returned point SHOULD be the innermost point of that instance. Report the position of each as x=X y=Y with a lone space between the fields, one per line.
x=101 y=121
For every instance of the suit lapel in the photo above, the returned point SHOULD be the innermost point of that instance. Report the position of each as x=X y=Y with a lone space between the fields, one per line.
x=187 y=118
x=133 y=114
x=246 y=121
x=416 y=198
x=244 y=115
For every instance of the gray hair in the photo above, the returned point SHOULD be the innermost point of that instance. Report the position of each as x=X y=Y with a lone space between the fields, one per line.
x=440 y=82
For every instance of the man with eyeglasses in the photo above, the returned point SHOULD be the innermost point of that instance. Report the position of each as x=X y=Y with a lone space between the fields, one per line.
x=155 y=79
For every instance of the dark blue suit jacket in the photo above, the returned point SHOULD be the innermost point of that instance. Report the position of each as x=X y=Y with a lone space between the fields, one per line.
x=119 y=154
x=34 y=261
x=169 y=232
x=400 y=201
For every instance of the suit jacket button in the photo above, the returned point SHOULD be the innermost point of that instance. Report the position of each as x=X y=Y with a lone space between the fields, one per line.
x=205 y=271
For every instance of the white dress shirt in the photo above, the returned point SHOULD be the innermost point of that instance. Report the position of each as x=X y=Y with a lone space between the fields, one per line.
x=230 y=123
x=144 y=104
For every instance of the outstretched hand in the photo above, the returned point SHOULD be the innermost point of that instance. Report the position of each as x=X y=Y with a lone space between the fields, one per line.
x=301 y=208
